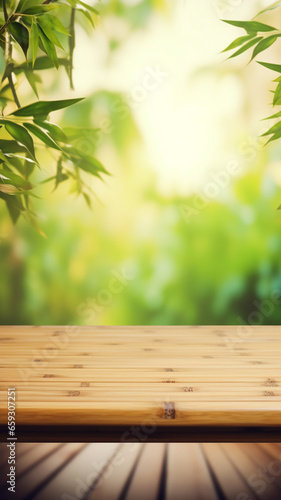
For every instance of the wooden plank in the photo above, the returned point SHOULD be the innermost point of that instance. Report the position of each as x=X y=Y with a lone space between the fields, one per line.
x=187 y=474
x=34 y=456
x=229 y=480
x=79 y=474
x=147 y=478
x=271 y=467
x=273 y=450
x=44 y=471
x=114 y=481
x=243 y=460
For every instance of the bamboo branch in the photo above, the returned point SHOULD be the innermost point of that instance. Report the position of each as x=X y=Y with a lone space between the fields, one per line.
x=8 y=52
x=71 y=45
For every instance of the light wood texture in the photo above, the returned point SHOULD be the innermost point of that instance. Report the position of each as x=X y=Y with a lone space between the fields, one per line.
x=147 y=376
x=152 y=471
x=188 y=473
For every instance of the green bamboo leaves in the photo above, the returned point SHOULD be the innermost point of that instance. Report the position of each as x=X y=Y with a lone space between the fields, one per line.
x=247 y=46
x=38 y=32
x=261 y=42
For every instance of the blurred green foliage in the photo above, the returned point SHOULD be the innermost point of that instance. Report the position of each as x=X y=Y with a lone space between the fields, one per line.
x=140 y=257
x=213 y=268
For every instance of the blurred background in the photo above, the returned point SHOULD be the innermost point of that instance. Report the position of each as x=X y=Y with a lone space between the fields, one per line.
x=186 y=229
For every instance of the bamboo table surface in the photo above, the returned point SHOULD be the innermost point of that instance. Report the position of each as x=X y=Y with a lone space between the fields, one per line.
x=153 y=377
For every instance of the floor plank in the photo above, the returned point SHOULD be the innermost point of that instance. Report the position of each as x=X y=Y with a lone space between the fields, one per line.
x=151 y=471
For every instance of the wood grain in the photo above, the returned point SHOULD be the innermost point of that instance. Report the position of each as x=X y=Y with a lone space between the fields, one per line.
x=157 y=376
x=152 y=471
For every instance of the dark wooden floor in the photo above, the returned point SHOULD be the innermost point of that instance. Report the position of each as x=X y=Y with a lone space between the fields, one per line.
x=137 y=471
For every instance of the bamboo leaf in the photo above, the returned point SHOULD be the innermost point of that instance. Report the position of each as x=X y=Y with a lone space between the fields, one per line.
x=239 y=41
x=33 y=42
x=277 y=94
x=49 y=48
x=85 y=5
x=11 y=178
x=48 y=30
x=273 y=129
x=12 y=155
x=270 y=7
x=276 y=136
x=60 y=177
x=276 y=115
x=8 y=146
x=56 y=24
x=88 y=16
x=43 y=136
x=14 y=206
x=21 y=135
x=40 y=64
x=23 y=5
x=43 y=108
x=20 y=34
x=250 y=26
x=246 y=47
x=39 y=11
x=274 y=67
x=55 y=131
x=85 y=162
x=87 y=199
x=263 y=45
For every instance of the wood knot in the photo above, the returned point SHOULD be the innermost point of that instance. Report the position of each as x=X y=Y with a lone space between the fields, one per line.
x=271 y=382
x=169 y=411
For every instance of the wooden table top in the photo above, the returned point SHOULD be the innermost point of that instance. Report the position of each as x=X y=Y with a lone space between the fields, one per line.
x=147 y=376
